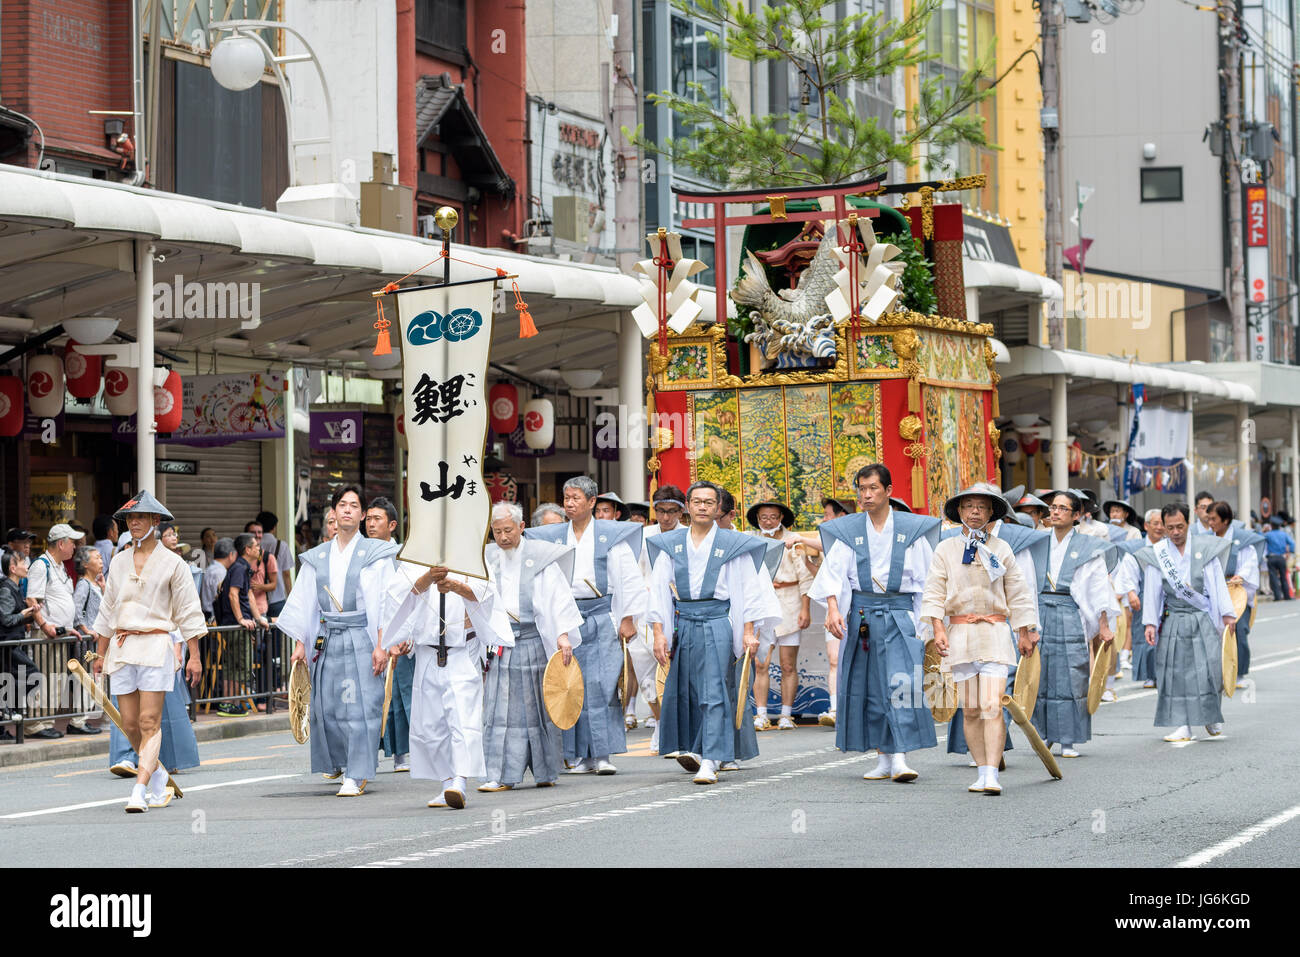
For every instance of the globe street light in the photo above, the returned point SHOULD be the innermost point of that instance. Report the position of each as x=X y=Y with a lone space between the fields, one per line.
x=238 y=62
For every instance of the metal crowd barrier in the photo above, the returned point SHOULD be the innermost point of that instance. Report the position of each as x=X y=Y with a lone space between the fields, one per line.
x=239 y=665
x=35 y=683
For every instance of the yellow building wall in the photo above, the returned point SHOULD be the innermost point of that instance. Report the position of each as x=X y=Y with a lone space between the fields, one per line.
x=1019 y=98
x=1125 y=317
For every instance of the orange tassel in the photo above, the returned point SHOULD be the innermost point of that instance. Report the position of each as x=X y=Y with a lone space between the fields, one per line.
x=383 y=345
x=527 y=329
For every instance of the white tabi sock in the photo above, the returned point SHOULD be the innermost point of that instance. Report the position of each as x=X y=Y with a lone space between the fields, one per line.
x=708 y=767
x=158 y=781
x=1110 y=683
x=449 y=784
x=832 y=704
x=990 y=774
x=898 y=763
x=459 y=784
x=762 y=712
x=786 y=710
x=884 y=764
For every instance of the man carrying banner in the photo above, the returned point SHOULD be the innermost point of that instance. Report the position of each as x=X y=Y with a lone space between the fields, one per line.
x=608 y=587
x=446 y=734
x=532 y=578
x=341 y=590
x=708 y=599
x=1185 y=607
x=1241 y=566
x=149 y=594
x=1076 y=603
x=974 y=589
x=871 y=582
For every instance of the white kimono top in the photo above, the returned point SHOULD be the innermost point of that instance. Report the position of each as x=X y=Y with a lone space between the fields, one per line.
x=162 y=598
x=838 y=575
x=737 y=579
x=414 y=617
x=554 y=611
x=300 y=616
x=1090 y=587
x=1213 y=585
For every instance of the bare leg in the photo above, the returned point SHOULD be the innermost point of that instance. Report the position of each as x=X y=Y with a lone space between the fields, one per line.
x=150 y=735
x=968 y=694
x=762 y=681
x=994 y=725
x=128 y=706
x=833 y=659
x=789 y=674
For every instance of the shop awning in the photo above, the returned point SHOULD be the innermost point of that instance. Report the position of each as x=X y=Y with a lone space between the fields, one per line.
x=983 y=274
x=65 y=251
x=1035 y=360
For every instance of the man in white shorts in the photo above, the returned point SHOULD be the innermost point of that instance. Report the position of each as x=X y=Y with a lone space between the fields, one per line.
x=149 y=594
x=772 y=521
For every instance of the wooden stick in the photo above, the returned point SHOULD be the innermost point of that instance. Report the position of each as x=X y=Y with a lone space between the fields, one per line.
x=1022 y=722
x=114 y=715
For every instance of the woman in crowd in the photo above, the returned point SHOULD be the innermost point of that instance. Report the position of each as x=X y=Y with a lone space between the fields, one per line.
x=15 y=616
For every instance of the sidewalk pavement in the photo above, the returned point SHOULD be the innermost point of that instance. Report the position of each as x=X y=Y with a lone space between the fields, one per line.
x=208 y=727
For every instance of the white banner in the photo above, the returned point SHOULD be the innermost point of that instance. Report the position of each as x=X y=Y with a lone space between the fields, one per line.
x=1162 y=435
x=445 y=338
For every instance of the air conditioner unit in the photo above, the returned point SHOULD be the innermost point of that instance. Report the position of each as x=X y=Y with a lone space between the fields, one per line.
x=427 y=228
x=572 y=218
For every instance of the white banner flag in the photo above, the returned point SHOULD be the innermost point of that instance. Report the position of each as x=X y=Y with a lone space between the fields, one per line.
x=1162 y=435
x=445 y=338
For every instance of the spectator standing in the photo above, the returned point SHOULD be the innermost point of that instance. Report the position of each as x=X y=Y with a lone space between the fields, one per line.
x=1278 y=544
x=105 y=531
x=20 y=540
x=223 y=556
x=281 y=555
x=207 y=545
x=15 y=615
x=548 y=513
x=234 y=607
x=329 y=528
x=50 y=590
x=265 y=573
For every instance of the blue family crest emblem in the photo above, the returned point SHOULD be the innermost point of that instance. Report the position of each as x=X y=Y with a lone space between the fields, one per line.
x=456 y=326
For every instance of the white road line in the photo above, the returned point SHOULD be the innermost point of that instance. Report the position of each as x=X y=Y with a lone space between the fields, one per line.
x=187 y=790
x=712 y=791
x=1151 y=693
x=1239 y=840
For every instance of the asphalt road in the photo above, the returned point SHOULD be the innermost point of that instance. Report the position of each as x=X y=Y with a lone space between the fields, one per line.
x=1131 y=800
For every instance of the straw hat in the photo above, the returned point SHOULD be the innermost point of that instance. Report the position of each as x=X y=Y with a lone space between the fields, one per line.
x=562 y=691
x=145 y=503
x=1000 y=507
x=787 y=516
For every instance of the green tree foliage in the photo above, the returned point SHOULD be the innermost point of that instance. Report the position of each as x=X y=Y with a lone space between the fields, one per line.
x=831 y=144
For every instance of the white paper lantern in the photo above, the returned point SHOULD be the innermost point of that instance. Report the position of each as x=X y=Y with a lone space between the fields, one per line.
x=45 y=385
x=119 y=390
x=539 y=423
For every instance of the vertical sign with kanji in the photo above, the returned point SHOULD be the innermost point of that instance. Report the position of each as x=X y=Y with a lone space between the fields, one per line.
x=445 y=338
x=1257 y=271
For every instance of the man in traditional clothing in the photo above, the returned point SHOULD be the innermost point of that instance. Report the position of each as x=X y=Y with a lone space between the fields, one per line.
x=1241 y=566
x=608 y=587
x=381 y=524
x=1185 y=607
x=1128 y=582
x=708 y=599
x=1033 y=506
x=1088 y=512
x=1201 y=522
x=446 y=732
x=773 y=522
x=149 y=594
x=610 y=508
x=1076 y=604
x=974 y=589
x=874 y=567
x=669 y=505
x=1124 y=516
x=1029 y=546
x=532 y=579
x=339 y=595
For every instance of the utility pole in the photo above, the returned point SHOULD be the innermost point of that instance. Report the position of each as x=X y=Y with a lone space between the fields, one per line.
x=1229 y=25
x=627 y=241
x=1055 y=228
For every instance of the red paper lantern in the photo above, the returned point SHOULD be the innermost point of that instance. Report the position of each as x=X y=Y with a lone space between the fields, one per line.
x=45 y=385
x=82 y=372
x=11 y=405
x=119 y=390
x=503 y=405
x=167 y=403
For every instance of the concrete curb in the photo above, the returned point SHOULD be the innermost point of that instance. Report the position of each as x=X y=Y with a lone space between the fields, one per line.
x=12 y=755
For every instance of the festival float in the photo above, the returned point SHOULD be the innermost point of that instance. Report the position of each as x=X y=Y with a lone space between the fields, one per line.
x=849 y=345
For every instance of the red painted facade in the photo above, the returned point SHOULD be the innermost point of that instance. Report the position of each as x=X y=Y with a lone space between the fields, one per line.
x=494 y=85
x=60 y=59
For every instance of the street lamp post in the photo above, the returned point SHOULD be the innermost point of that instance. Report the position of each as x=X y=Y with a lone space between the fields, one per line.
x=239 y=57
